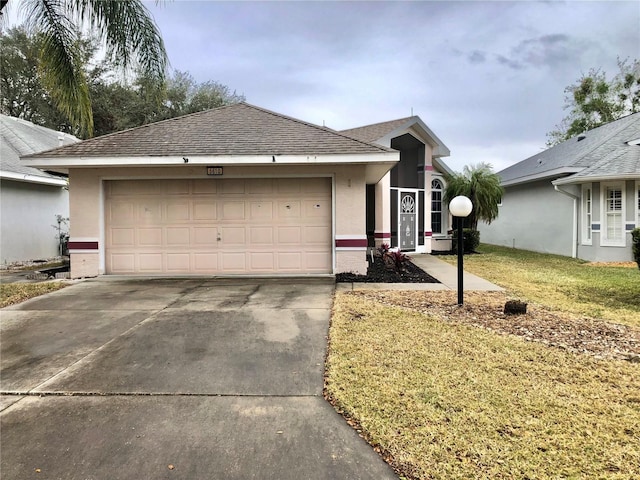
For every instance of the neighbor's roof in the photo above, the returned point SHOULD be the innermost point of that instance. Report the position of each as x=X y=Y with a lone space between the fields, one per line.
x=385 y=131
x=234 y=130
x=606 y=151
x=19 y=137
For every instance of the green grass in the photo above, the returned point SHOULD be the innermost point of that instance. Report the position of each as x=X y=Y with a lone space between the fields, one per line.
x=12 y=293
x=566 y=284
x=449 y=401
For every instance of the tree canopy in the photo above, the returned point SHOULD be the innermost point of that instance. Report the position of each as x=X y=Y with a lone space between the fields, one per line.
x=125 y=29
x=116 y=104
x=482 y=186
x=595 y=100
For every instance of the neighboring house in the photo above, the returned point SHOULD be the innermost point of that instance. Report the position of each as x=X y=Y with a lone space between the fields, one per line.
x=30 y=198
x=580 y=198
x=405 y=209
x=233 y=190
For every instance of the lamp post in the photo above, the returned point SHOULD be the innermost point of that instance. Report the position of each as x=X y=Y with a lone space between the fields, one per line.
x=460 y=207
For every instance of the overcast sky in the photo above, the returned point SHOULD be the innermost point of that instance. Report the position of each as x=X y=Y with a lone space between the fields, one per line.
x=487 y=77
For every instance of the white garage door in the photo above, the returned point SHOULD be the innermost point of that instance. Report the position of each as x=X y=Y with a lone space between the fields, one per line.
x=218 y=226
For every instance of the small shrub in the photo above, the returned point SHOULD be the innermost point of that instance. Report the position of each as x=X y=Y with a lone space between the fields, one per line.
x=383 y=249
x=635 y=242
x=396 y=260
x=471 y=240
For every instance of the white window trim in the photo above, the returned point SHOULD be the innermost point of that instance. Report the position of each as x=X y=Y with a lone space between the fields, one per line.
x=587 y=232
x=443 y=222
x=637 y=219
x=604 y=241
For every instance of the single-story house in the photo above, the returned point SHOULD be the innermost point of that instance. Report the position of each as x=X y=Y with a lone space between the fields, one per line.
x=405 y=209
x=233 y=190
x=30 y=198
x=580 y=198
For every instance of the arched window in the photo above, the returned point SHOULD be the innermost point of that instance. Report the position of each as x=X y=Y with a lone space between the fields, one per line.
x=436 y=206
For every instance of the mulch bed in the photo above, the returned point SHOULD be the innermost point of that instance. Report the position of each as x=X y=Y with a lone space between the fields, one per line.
x=378 y=272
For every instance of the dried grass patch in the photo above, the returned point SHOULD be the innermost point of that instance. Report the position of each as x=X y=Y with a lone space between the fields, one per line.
x=444 y=399
x=12 y=293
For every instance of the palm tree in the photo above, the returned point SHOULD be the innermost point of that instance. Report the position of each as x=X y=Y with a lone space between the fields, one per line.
x=482 y=186
x=129 y=35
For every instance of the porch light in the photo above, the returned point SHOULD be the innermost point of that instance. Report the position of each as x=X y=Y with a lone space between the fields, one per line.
x=460 y=207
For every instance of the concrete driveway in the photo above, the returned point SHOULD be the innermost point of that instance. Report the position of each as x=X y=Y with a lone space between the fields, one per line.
x=176 y=379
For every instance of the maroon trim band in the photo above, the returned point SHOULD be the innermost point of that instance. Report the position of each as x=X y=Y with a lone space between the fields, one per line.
x=83 y=246
x=428 y=167
x=428 y=234
x=351 y=242
x=382 y=235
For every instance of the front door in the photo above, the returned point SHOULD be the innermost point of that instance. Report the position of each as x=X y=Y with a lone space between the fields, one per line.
x=407 y=227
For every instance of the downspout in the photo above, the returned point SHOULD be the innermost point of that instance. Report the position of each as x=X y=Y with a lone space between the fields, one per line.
x=574 y=248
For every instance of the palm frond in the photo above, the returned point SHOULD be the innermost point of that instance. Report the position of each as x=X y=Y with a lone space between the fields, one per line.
x=60 y=63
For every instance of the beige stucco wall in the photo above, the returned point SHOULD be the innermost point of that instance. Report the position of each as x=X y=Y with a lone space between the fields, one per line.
x=87 y=216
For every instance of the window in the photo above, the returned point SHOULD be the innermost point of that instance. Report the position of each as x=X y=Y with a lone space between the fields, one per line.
x=587 y=214
x=638 y=204
x=613 y=215
x=436 y=206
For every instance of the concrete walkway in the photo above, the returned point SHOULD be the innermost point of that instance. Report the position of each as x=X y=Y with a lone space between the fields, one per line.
x=445 y=273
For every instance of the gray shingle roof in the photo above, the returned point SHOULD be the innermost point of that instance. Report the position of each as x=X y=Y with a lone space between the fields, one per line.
x=19 y=137
x=371 y=133
x=602 y=151
x=239 y=129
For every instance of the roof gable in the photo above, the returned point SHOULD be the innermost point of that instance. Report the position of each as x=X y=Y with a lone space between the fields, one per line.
x=239 y=129
x=383 y=132
x=602 y=149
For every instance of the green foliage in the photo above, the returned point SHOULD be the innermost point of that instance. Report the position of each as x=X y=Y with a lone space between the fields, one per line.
x=126 y=31
x=471 y=239
x=482 y=186
x=635 y=242
x=116 y=104
x=595 y=100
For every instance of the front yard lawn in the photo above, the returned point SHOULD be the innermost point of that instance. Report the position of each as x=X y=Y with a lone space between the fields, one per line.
x=561 y=283
x=12 y=293
x=441 y=398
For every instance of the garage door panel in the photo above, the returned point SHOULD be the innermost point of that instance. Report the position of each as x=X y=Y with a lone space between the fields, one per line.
x=261 y=235
x=290 y=261
x=289 y=235
x=150 y=237
x=233 y=211
x=261 y=211
x=178 y=211
x=205 y=210
x=233 y=262
x=262 y=261
x=289 y=210
x=207 y=186
x=205 y=236
x=205 y=262
x=123 y=237
x=150 y=262
x=178 y=262
x=177 y=187
x=232 y=236
x=209 y=226
x=178 y=236
x=123 y=263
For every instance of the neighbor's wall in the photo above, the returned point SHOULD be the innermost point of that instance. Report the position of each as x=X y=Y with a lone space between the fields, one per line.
x=27 y=213
x=532 y=217
x=86 y=208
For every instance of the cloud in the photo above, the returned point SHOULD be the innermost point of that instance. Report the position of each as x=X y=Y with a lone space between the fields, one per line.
x=477 y=57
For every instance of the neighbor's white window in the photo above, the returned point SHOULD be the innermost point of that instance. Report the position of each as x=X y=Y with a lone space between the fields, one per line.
x=613 y=215
x=436 y=206
x=638 y=204
x=587 y=213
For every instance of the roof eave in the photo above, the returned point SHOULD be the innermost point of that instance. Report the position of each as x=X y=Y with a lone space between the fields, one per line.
x=558 y=172
x=28 y=178
x=57 y=163
x=595 y=178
